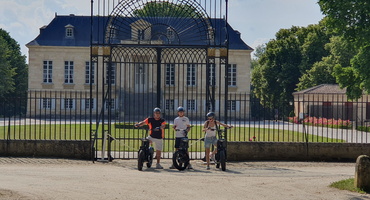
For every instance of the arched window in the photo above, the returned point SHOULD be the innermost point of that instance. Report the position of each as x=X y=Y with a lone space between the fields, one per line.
x=69 y=31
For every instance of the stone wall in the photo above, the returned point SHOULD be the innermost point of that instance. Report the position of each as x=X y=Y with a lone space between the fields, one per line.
x=40 y=148
x=243 y=151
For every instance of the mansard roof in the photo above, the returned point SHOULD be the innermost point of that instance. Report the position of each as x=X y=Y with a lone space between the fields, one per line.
x=54 y=34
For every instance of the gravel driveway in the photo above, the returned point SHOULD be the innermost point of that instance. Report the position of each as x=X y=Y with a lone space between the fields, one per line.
x=33 y=178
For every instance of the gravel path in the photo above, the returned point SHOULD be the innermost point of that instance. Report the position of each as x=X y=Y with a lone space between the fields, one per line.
x=32 y=178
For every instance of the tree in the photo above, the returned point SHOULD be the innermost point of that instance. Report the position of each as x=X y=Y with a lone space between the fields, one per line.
x=285 y=59
x=340 y=53
x=167 y=9
x=13 y=76
x=320 y=73
x=350 y=19
x=17 y=62
x=6 y=72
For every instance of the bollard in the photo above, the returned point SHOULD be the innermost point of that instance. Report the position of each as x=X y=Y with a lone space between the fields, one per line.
x=362 y=174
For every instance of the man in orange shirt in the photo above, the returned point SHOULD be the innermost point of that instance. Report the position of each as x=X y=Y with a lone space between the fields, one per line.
x=156 y=126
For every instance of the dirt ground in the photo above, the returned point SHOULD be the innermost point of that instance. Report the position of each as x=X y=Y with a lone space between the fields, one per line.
x=35 y=178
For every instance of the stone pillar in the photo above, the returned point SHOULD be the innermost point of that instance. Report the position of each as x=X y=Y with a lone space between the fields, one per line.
x=362 y=174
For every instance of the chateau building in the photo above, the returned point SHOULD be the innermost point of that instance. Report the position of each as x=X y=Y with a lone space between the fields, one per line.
x=61 y=73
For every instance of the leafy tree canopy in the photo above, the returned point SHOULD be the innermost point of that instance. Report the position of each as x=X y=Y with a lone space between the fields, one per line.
x=350 y=19
x=284 y=60
x=14 y=70
x=167 y=9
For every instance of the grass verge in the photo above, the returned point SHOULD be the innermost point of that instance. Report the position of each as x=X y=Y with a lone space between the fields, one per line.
x=348 y=184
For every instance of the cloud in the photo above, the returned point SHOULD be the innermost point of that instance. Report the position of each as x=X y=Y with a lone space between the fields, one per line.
x=22 y=19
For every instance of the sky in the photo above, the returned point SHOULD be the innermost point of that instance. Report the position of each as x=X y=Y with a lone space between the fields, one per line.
x=256 y=20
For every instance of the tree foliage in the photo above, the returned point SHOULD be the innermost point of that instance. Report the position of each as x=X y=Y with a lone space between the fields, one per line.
x=13 y=75
x=6 y=72
x=167 y=9
x=285 y=60
x=350 y=20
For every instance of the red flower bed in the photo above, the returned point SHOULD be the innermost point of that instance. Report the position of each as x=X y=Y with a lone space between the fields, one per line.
x=314 y=121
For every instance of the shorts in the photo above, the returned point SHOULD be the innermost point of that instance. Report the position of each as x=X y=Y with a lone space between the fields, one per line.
x=208 y=141
x=178 y=142
x=158 y=143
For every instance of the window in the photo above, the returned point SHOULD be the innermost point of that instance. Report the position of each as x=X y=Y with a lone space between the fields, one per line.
x=113 y=104
x=232 y=75
x=46 y=103
x=68 y=104
x=69 y=32
x=191 y=105
x=231 y=105
x=47 y=73
x=89 y=70
x=113 y=74
x=367 y=110
x=170 y=74
x=89 y=103
x=68 y=71
x=212 y=74
x=170 y=104
x=191 y=75
x=140 y=34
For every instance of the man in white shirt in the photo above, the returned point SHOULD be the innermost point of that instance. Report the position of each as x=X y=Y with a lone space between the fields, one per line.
x=181 y=125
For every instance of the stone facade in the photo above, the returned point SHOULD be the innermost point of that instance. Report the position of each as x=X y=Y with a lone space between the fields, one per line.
x=59 y=80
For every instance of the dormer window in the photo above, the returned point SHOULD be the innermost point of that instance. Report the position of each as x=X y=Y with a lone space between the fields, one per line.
x=170 y=35
x=140 y=30
x=140 y=34
x=69 y=31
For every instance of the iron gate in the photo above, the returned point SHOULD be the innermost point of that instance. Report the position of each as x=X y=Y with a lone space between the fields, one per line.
x=142 y=61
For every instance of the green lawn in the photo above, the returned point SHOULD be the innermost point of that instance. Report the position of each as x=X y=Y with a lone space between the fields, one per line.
x=126 y=139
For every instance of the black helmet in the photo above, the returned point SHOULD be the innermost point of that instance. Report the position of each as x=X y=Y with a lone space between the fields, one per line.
x=157 y=110
x=211 y=114
x=180 y=109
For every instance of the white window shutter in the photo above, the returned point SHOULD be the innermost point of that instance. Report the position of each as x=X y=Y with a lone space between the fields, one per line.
x=52 y=103
x=62 y=104
x=237 y=106
x=217 y=104
x=82 y=104
x=176 y=104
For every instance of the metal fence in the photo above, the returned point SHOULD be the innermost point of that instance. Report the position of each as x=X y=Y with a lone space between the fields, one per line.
x=68 y=116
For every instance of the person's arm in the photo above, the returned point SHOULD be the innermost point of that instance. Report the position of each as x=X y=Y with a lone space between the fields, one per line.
x=188 y=125
x=142 y=123
x=205 y=126
x=174 y=124
x=163 y=125
x=222 y=124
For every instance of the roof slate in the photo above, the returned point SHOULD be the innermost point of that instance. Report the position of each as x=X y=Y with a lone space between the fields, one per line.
x=323 y=89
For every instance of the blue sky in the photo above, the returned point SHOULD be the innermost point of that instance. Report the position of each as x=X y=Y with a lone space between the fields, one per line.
x=257 y=20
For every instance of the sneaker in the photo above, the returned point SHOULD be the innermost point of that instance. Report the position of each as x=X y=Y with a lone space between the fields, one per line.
x=158 y=166
x=208 y=168
x=189 y=166
x=172 y=167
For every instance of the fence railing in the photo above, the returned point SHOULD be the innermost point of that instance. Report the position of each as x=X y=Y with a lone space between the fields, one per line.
x=74 y=116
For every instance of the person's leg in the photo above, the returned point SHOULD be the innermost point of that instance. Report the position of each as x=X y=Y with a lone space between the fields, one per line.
x=158 y=154
x=214 y=143
x=207 y=156
x=158 y=147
